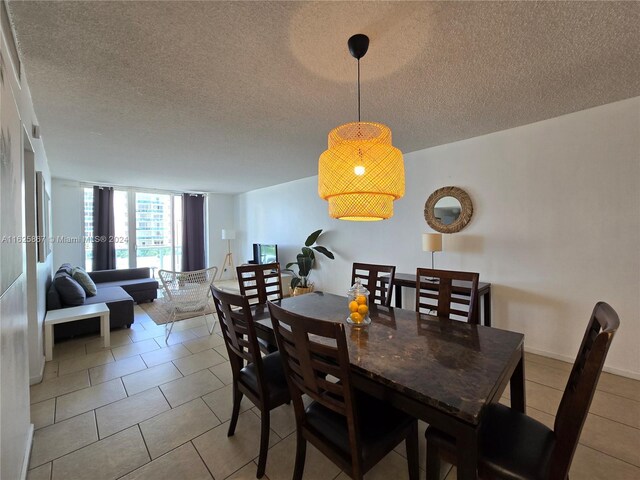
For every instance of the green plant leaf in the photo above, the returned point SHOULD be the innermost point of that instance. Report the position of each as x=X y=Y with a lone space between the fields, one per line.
x=311 y=239
x=324 y=251
x=307 y=252
x=288 y=267
x=295 y=281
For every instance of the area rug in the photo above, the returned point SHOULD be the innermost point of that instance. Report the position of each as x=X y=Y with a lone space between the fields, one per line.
x=160 y=313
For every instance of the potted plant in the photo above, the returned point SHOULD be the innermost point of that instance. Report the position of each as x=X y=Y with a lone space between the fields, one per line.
x=305 y=260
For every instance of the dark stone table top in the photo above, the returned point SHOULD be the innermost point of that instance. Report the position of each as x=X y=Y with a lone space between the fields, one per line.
x=450 y=365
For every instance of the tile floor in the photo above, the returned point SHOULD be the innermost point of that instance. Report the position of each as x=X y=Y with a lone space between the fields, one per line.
x=145 y=410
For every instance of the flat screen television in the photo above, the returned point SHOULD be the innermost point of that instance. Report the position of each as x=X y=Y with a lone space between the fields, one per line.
x=265 y=253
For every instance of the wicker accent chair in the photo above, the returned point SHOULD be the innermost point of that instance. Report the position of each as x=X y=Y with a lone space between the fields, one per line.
x=515 y=446
x=187 y=295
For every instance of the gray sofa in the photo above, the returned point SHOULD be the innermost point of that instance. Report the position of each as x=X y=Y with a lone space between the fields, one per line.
x=119 y=289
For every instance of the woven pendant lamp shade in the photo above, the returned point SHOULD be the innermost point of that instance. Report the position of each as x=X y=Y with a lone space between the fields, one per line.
x=361 y=173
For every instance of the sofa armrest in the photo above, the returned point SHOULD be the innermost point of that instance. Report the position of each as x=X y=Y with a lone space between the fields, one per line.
x=101 y=276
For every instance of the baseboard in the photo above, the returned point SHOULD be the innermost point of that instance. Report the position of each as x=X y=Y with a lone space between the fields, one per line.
x=27 y=453
x=565 y=358
x=39 y=376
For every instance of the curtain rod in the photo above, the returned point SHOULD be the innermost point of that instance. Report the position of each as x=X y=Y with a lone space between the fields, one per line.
x=139 y=189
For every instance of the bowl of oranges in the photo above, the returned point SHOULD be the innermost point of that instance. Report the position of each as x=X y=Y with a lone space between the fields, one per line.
x=358 y=300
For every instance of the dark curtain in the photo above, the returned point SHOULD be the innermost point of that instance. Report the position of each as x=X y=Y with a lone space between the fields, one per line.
x=104 y=250
x=192 y=232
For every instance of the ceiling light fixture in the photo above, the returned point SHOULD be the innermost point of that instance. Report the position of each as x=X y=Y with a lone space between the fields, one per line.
x=361 y=174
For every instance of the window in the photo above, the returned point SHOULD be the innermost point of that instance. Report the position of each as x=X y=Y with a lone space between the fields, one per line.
x=148 y=229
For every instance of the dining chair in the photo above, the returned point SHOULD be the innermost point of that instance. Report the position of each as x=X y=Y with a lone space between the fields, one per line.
x=350 y=427
x=260 y=283
x=260 y=378
x=437 y=292
x=515 y=446
x=377 y=278
x=187 y=295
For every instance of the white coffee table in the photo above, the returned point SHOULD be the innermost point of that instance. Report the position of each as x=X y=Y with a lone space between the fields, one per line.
x=72 y=314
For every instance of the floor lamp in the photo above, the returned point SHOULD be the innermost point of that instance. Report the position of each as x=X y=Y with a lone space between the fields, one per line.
x=228 y=235
x=432 y=242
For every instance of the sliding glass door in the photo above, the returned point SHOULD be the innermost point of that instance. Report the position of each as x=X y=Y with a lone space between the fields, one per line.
x=148 y=229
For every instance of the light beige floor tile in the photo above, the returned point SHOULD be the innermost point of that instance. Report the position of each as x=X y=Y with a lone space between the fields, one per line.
x=74 y=403
x=117 y=369
x=156 y=330
x=613 y=438
x=223 y=372
x=135 y=348
x=548 y=361
x=198 y=361
x=69 y=349
x=42 y=414
x=151 y=377
x=140 y=334
x=41 y=473
x=61 y=438
x=181 y=463
x=546 y=375
x=131 y=410
x=589 y=464
x=50 y=370
x=188 y=323
x=248 y=472
x=392 y=466
x=176 y=337
x=224 y=455
x=625 y=387
x=202 y=331
x=170 y=429
x=221 y=402
x=222 y=350
x=104 y=460
x=117 y=338
x=59 y=386
x=282 y=419
x=614 y=407
x=164 y=355
x=84 y=362
x=542 y=397
x=204 y=343
x=192 y=386
x=281 y=459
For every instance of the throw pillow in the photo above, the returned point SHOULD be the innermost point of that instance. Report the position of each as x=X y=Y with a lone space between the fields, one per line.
x=82 y=277
x=71 y=293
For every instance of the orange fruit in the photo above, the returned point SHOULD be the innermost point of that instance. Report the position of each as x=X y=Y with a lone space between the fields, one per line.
x=356 y=317
x=361 y=299
x=363 y=310
x=353 y=306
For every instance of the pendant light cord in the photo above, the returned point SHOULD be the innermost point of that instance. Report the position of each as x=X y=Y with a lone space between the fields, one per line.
x=358 y=90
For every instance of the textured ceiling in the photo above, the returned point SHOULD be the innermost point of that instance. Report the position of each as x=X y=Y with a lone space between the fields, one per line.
x=232 y=96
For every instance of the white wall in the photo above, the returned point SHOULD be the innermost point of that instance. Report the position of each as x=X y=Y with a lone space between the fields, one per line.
x=220 y=215
x=67 y=208
x=556 y=225
x=22 y=306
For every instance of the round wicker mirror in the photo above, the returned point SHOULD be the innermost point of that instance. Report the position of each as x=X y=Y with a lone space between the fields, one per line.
x=448 y=210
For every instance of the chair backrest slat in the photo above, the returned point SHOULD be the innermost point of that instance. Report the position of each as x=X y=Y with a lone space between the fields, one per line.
x=238 y=331
x=436 y=291
x=378 y=279
x=581 y=386
x=260 y=283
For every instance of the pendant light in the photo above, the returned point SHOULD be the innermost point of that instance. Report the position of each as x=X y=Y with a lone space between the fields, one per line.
x=361 y=174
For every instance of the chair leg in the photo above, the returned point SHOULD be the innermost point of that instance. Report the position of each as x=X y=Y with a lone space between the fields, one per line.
x=237 y=398
x=264 y=442
x=433 y=462
x=413 y=452
x=301 y=452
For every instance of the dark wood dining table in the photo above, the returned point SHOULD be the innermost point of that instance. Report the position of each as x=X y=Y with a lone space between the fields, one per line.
x=442 y=371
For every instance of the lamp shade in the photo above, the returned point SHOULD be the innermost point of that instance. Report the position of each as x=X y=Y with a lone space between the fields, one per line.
x=432 y=242
x=228 y=234
x=361 y=174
